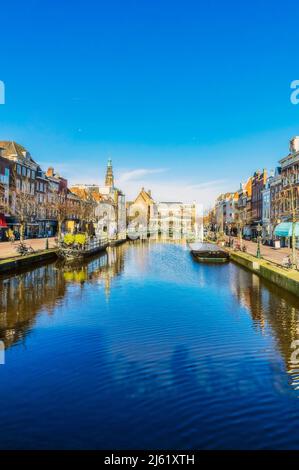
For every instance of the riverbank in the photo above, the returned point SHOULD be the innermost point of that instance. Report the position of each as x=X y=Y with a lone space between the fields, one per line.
x=11 y=262
x=20 y=262
x=9 y=249
x=269 y=253
x=287 y=279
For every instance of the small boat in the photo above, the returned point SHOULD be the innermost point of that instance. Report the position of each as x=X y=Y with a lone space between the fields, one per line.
x=79 y=253
x=208 y=253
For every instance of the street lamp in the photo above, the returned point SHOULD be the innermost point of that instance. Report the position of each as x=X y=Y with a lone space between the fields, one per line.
x=259 y=230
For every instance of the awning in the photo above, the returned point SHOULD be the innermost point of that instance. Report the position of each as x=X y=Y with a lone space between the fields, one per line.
x=3 y=223
x=285 y=229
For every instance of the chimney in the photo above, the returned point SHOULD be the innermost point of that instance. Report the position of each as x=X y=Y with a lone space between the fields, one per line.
x=50 y=172
x=149 y=192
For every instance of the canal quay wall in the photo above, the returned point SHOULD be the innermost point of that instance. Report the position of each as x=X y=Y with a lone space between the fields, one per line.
x=20 y=262
x=282 y=277
x=13 y=264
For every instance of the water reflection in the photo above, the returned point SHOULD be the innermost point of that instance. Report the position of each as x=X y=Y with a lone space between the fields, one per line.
x=153 y=348
x=275 y=312
x=24 y=296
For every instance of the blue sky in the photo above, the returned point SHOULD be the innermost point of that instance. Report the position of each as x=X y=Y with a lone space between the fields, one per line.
x=186 y=97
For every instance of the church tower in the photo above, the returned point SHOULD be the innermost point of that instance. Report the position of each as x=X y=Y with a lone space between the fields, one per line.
x=109 y=180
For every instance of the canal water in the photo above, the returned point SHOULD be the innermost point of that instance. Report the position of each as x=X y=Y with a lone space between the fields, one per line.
x=143 y=347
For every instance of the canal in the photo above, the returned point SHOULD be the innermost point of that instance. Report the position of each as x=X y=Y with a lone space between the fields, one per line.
x=143 y=347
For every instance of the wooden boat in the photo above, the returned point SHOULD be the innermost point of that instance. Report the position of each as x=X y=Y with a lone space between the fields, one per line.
x=79 y=253
x=208 y=253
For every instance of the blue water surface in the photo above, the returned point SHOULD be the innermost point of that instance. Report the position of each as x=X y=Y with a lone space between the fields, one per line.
x=143 y=347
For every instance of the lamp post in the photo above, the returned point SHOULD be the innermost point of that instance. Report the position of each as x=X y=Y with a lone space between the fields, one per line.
x=259 y=230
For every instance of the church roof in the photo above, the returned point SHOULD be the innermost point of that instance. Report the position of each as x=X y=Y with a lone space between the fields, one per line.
x=145 y=196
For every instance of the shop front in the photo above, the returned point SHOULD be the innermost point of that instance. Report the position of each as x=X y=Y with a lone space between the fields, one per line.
x=283 y=232
x=32 y=230
x=47 y=228
x=71 y=225
x=13 y=227
x=3 y=228
x=247 y=232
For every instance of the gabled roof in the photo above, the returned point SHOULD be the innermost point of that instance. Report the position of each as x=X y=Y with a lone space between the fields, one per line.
x=145 y=196
x=87 y=194
x=72 y=194
x=12 y=148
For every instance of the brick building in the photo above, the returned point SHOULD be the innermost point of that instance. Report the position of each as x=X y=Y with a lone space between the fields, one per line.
x=258 y=184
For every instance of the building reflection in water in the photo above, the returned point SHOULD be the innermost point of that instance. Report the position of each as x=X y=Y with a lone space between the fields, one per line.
x=275 y=309
x=25 y=295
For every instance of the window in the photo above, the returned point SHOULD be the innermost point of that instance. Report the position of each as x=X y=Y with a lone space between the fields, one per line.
x=33 y=174
x=23 y=171
x=19 y=169
x=28 y=173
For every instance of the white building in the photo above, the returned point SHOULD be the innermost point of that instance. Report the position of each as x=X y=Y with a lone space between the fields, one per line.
x=226 y=211
x=111 y=211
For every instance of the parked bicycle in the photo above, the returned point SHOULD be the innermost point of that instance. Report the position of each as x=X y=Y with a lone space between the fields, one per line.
x=24 y=249
x=288 y=263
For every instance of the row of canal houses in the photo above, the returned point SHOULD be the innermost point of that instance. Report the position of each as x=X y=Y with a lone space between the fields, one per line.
x=41 y=201
x=265 y=205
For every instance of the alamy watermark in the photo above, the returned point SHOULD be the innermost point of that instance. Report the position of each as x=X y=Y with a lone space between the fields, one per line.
x=294 y=97
x=174 y=220
x=2 y=353
x=294 y=360
x=2 y=92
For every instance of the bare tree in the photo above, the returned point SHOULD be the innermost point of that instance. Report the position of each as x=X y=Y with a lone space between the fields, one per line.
x=86 y=210
x=21 y=203
x=59 y=207
x=24 y=207
x=241 y=222
x=3 y=204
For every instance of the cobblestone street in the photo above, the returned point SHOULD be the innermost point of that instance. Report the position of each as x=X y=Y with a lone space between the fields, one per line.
x=8 y=249
x=276 y=255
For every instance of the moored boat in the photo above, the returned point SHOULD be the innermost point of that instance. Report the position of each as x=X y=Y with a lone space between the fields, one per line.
x=208 y=253
x=74 y=253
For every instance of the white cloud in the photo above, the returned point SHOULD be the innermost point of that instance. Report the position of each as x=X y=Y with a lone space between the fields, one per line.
x=163 y=189
x=139 y=173
x=206 y=184
x=178 y=190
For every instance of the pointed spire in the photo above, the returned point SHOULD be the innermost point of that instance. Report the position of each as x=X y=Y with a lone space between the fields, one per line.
x=109 y=180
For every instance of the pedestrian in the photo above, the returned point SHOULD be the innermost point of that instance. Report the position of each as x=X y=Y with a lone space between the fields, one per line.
x=10 y=235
